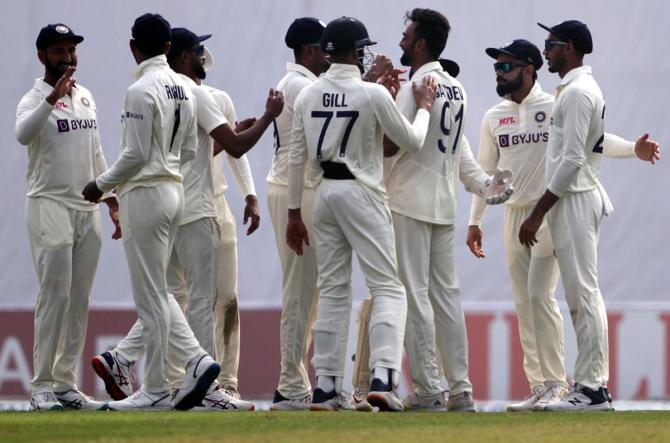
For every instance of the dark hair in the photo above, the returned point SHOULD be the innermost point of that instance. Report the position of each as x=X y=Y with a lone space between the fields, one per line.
x=431 y=26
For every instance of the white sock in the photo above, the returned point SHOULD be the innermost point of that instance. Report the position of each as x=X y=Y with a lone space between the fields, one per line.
x=382 y=374
x=326 y=383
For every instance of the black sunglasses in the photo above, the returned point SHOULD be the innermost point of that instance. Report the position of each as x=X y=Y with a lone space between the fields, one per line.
x=199 y=50
x=506 y=67
x=549 y=44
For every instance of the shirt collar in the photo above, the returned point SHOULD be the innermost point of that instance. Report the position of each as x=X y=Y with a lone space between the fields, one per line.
x=341 y=70
x=296 y=67
x=430 y=66
x=159 y=61
x=572 y=75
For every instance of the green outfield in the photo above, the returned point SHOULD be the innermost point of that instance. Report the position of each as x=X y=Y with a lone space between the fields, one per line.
x=334 y=427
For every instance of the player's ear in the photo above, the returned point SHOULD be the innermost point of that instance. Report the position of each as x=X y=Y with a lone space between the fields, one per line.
x=42 y=56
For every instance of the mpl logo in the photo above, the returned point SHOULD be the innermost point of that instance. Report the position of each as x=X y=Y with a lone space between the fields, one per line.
x=503 y=141
x=505 y=121
x=63 y=125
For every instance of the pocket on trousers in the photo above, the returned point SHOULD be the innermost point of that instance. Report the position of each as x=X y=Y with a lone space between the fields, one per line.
x=55 y=224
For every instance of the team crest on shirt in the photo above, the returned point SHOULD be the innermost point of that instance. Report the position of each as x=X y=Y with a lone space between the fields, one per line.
x=503 y=140
x=85 y=101
x=540 y=116
x=63 y=125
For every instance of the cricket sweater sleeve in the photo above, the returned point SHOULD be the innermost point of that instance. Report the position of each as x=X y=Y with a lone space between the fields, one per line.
x=137 y=132
x=31 y=115
x=617 y=147
x=396 y=127
x=471 y=174
x=242 y=172
x=579 y=109
x=297 y=156
x=487 y=157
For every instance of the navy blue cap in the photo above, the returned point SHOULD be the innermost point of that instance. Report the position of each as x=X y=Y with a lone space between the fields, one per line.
x=183 y=39
x=520 y=49
x=575 y=31
x=51 y=34
x=304 y=31
x=450 y=66
x=151 y=30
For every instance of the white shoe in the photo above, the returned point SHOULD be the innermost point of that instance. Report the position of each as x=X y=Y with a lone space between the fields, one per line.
x=582 y=399
x=75 y=399
x=281 y=403
x=201 y=372
x=553 y=394
x=116 y=374
x=231 y=391
x=527 y=403
x=416 y=402
x=359 y=398
x=143 y=401
x=383 y=396
x=221 y=400
x=462 y=402
x=330 y=401
x=45 y=401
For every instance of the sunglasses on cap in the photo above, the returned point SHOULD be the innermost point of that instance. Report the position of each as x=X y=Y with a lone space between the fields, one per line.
x=506 y=67
x=549 y=44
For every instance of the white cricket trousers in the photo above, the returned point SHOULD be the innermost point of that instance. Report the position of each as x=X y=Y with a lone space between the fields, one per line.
x=575 y=225
x=435 y=317
x=299 y=293
x=346 y=218
x=149 y=219
x=226 y=306
x=534 y=276
x=65 y=245
x=192 y=271
x=182 y=344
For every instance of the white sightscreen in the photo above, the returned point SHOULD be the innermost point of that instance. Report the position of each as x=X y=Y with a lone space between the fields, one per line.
x=630 y=62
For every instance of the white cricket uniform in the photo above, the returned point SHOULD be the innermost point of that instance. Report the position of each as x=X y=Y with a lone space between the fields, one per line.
x=159 y=134
x=422 y=188
x=299 y=293
x=574 y=153
x=514 y=136
x=226 y=307
x=64 y=154
x=341 y=119
x=194 y=263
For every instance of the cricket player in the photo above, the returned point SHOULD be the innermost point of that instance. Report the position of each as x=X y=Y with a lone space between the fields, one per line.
x=195 y=258
x=159 y=134
x=422 y=196
x=299 y=275
x=338 y=125
x=57 y=121
x=578 y=203
x=514 y=136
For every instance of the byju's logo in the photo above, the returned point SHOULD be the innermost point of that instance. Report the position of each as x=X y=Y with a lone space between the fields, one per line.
x=503 y=141
x=63 y=125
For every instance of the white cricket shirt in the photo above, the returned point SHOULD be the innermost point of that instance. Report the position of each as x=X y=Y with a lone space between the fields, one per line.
x=423 y=184
x=64 y=152
x=239 y=166
x=514 y=136
x=295 y=79
x=341 y=118
x=158 y=130
x=576 y=134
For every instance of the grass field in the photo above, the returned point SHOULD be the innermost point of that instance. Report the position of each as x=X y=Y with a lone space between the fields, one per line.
x=333 y=427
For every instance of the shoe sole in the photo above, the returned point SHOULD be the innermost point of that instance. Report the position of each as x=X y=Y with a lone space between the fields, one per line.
x=279 y=406
x=196 y=395
x=595 y=408
x=379 y=400
x=53 y=408
x=112 y=388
